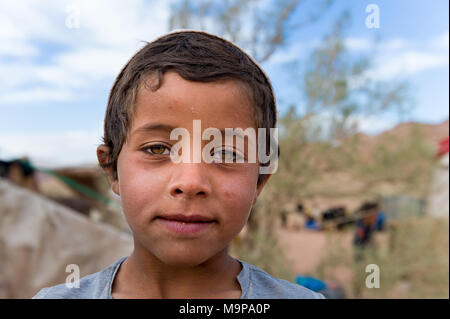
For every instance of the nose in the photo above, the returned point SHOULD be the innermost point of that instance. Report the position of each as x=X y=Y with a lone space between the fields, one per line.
x=189 y=180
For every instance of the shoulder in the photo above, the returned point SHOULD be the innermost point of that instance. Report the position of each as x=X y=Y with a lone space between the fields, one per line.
x=262 y=285
x=93 y=286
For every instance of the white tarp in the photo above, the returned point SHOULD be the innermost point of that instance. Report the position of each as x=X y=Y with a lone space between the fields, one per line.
x=438 y=200
x=39 y=238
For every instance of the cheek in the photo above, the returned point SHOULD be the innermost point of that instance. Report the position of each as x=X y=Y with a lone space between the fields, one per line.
x=237 y=196
x=139 y=188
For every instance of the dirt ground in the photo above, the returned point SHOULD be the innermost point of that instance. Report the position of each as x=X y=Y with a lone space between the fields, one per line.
x=305 y=249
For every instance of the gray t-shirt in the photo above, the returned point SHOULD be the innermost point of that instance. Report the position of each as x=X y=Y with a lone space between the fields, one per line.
x=255 y=284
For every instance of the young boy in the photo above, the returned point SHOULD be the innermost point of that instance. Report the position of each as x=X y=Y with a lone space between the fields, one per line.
x=184 y=214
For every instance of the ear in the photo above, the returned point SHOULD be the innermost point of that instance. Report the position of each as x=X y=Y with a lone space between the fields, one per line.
x=103 y=153
x=260 y=186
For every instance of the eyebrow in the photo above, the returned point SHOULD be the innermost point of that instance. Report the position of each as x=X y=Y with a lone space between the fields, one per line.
x=150 y=127
x=153 y=127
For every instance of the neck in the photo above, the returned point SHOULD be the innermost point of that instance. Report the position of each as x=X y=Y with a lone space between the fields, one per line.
x=144 y=275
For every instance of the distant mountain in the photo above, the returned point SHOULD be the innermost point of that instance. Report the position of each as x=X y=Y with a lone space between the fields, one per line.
x=432 y=133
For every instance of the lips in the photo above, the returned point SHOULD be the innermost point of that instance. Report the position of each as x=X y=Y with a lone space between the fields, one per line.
x=186 y=225
x=187 y=218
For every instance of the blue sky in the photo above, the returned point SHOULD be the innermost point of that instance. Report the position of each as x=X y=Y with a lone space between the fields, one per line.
x=56 y=75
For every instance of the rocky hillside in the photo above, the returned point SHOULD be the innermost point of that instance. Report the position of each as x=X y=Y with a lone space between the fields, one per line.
x=431 y=133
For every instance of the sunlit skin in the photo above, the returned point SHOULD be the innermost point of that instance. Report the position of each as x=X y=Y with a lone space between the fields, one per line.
x=165 y=264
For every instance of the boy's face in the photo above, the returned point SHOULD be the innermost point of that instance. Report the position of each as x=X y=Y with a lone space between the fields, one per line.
x=152 y=186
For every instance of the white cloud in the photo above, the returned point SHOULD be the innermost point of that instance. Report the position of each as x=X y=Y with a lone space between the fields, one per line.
x=17 y=48
x=358 y=44
x=406 y=63
x=393 y=58
x=399 y=57
x=110 y=32
x=287 y=54
x=367 y=44
x=36 y=95
x=51 y=148
x=26 y=76
x=373 y=125
x=123 y=23
x=93 y=63
x=31 y=20
x=368 y=124
x=441 y=41
x=393 y=44
x=56 y=76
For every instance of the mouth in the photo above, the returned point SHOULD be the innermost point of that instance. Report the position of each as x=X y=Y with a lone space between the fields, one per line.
x=187 y=218
x=186 y=224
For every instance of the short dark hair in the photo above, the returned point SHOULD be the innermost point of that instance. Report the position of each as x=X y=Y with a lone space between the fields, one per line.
x=195 y=56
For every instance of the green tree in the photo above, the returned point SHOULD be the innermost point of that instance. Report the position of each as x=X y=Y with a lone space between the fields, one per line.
x=259 y=27
x=337 y=91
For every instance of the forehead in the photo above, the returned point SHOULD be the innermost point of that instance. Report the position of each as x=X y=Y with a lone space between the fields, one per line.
x=178 y=102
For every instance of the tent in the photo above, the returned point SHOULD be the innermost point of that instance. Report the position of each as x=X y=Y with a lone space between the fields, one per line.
x=39 y=238
x=438 y=199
